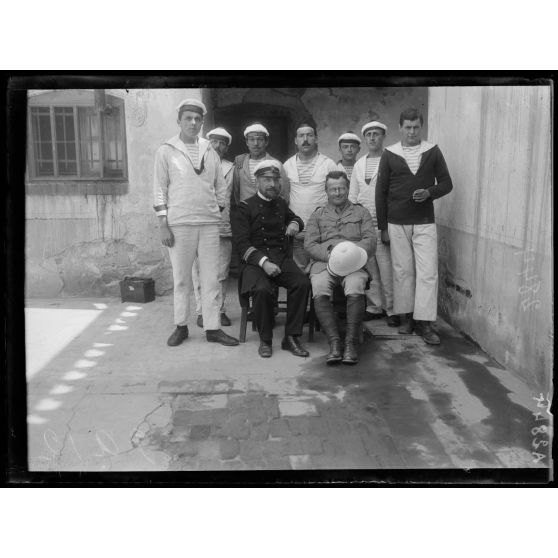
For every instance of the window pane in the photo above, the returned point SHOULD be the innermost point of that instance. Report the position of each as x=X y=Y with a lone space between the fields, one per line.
x=42 y=141
x=89 y=142
x=65 y=141
x=114 y=160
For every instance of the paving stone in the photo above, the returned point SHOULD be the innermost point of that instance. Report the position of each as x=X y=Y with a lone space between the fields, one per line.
x=292 y=446
x=196 y=402
x=254 y=397
x=186 y=450
x=311 y=445
x=293 y=406
x=219 y=416
x=179 y=434
x=200 y=431
x=350 y=444
x=338 y=427
x=256 y=414
x=250 y=450
x=209 y=450
x=279 y=428
x=273 y=449
x=192 y=417
x=389 y=454
x=236 y=402
x=238 y=428
x=278 y=463
x=317 y=426
x=271 y=406
x=219 y=431
x=182 y=418
x=229 y=449
x=299 y=425
x=260 y=431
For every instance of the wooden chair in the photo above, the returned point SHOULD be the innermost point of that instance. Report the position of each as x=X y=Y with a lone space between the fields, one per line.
x=246 y=309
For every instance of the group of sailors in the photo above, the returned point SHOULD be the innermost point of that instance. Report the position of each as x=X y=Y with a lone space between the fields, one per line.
x=366 y=224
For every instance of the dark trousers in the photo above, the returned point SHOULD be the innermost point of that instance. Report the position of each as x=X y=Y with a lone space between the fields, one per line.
x=293 y=280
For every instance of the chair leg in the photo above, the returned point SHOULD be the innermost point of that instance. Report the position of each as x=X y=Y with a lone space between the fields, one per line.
x=243 y=323
x=311 y=321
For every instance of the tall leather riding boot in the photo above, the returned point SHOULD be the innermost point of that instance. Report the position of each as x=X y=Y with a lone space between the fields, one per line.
x=326 y=316
x=355 y=314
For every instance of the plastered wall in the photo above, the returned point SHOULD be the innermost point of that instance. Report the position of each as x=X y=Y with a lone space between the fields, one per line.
x=84 y=244
x=495 y=226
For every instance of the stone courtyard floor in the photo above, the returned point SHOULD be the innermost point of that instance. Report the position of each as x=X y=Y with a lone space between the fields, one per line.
x=105 y=393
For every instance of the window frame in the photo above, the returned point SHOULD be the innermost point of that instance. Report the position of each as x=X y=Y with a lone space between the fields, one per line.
x=70 y=184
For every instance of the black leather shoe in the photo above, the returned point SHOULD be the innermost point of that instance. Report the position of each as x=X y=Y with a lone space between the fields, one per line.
x=219 y=336
x=393 y=321
x=350 y=354
x=177 y=336
x=225 y=321
x=265 y=350
x=291 y=343
x=407 y=326
x=335 y=352
x=373 y=316
x=424 y=329
x=199 y=321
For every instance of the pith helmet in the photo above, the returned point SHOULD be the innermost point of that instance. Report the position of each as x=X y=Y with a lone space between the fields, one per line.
x=345 y=258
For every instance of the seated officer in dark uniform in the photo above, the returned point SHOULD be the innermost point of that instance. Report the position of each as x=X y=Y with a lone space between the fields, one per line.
x=260 y=228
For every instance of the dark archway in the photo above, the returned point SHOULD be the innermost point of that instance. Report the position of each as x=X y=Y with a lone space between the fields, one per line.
x=279 y=120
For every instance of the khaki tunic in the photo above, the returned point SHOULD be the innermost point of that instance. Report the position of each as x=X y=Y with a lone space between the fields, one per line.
x=326 y=228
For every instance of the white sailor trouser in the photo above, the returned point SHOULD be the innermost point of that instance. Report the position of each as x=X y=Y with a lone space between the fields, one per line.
x=414 y=253
x=380 y=294
x=191 y=241
x=225 y=251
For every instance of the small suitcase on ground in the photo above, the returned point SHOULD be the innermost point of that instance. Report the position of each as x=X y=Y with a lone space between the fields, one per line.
x=137 y=289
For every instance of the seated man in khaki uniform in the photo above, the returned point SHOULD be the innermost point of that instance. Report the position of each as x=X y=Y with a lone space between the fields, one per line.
x=338 y=221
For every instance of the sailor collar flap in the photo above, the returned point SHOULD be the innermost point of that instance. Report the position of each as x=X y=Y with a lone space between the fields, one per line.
x=397 y=148
x=320 y=160
x=226 y=166
x=177 y=143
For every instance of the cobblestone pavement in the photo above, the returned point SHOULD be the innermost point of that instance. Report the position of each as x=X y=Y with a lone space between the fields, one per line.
x=105 y=393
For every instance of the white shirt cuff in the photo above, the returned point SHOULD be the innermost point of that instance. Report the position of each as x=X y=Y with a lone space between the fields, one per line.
x=262 y=261
x=161 y=212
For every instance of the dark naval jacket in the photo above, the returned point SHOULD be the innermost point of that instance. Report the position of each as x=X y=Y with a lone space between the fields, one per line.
x=258 y=228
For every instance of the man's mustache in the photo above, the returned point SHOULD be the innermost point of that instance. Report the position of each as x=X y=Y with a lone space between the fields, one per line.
x=305 y=144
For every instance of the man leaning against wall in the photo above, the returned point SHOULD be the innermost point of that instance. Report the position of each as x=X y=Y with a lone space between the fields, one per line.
x=412 y=174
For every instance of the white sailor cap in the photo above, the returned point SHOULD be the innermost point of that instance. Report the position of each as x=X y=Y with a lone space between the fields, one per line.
x=258 y=128
x=194 y=105
x=268 y=165
x=373 y=124
x=349 y=136
x=219 y=133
